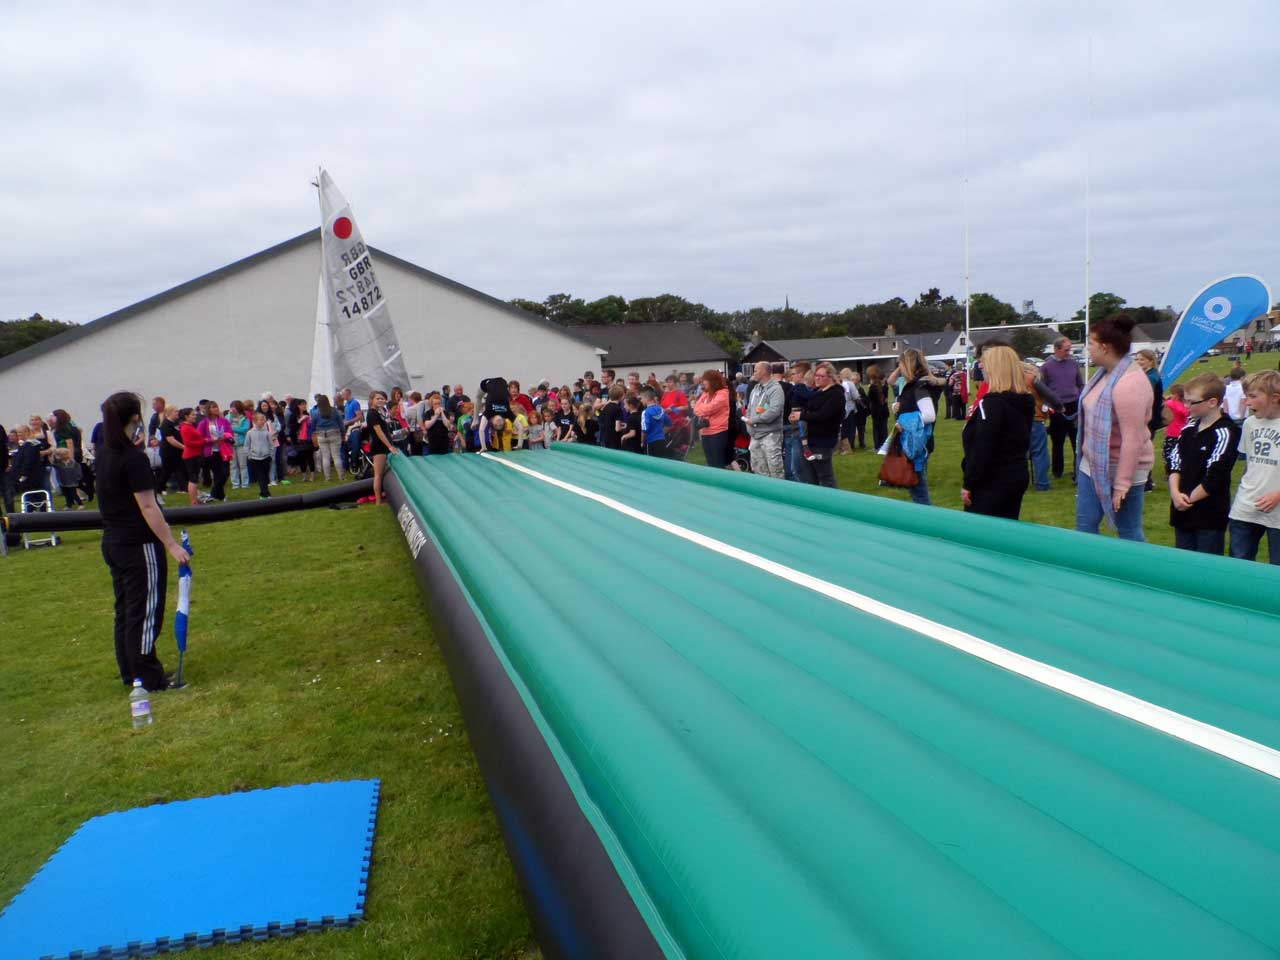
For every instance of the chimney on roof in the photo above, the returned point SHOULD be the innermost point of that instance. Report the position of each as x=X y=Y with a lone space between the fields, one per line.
x=889 y=331
x=755 y=337
x=949 y=328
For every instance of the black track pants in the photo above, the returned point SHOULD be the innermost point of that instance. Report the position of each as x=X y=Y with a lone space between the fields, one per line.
x=138 y=576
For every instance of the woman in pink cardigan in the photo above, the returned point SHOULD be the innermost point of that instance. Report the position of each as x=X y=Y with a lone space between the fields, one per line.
x=219 y=449
x=1116 y=455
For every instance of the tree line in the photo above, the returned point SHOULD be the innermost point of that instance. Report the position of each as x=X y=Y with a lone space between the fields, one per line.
x=17 y=335
x=931 y=311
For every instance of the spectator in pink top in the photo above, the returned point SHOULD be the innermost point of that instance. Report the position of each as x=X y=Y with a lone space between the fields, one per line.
x=712 y=410
x=1175 y=418
x=1115 y=449
x=219 y=449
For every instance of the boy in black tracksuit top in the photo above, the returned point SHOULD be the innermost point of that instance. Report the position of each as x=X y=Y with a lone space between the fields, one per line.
x=1200 y=469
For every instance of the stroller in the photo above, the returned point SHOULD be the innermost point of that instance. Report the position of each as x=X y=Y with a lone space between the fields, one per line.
x=679 y=438
x=362 y=465
x=38 y=501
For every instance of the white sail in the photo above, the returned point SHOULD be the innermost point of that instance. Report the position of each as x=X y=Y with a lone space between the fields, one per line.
x=365 y=350
x=322 y=347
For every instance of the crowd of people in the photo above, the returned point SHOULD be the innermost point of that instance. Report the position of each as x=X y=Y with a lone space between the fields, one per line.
x=783 y=422
x=788 y=422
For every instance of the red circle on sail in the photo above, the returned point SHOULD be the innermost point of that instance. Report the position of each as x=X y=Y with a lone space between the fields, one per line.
x=342 y=228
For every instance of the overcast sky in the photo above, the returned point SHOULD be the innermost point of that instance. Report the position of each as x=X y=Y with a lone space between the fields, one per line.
x=731 y=152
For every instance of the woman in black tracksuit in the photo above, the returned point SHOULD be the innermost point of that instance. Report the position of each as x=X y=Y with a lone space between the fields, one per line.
x=133 y=531
x=997 y=438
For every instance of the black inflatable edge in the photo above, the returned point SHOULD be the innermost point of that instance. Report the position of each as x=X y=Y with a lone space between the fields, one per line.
x=580 y=907
x=64 y=520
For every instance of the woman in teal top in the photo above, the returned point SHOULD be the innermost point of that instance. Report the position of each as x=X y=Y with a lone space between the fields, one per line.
x=240 y=425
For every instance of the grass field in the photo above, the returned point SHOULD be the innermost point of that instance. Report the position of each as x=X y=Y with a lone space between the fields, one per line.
x=311 y=658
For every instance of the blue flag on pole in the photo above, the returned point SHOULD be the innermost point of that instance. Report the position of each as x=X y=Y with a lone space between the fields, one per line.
x=184 y=606
x=1213 y=314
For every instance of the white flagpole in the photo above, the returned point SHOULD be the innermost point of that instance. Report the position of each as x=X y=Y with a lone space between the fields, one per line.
x=968 y=332
x=1088 y=154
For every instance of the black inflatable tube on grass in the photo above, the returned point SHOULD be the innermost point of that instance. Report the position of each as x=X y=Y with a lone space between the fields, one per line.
x=579 y=904
x=65 y=520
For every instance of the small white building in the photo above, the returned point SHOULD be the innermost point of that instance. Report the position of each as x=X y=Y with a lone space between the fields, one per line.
x=1152 y=336
x=248 y=327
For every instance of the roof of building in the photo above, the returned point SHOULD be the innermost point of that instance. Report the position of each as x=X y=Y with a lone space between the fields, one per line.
x=979 y=337
x=311 y=236
x=1158 y=332
x=818 y=348
x=939 y=343
x=637 y=344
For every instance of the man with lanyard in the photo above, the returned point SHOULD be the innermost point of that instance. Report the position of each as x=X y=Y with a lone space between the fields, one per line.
x=1062 y=373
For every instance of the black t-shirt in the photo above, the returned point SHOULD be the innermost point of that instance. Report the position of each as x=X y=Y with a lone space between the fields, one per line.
x=565 y=422
x=375 y=419
x=609 y=415
x=438 y=435
x=121 y=474
x=170 y=429
x=636 y=443
x=497 y=398
x=454 y=402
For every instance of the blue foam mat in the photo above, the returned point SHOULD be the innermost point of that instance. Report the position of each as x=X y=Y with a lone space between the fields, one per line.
x=241 y=866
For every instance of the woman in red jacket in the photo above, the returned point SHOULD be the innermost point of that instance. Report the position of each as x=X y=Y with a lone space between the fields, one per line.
x=192 y=451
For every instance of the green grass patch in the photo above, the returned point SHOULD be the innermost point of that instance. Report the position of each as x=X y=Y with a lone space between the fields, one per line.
x=311 y=658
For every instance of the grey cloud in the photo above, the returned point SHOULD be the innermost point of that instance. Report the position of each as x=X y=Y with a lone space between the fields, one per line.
x=731 y=153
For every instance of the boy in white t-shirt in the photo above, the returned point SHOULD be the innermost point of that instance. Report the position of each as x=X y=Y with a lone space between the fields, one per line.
x=1233 y=401
x=1255 y=510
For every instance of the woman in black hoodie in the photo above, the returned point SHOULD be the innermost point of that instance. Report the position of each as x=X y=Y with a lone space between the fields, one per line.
x=997 y=437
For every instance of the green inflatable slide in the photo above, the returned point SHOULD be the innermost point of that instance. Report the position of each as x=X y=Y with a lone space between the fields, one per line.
x=722 y=716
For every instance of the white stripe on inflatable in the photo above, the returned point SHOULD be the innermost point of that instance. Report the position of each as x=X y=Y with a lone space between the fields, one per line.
x=1214 y=739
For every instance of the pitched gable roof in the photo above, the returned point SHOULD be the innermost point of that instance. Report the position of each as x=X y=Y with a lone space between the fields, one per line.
x=311 y=236
x=1158 y=332
x=637 y=344
x=820 y=348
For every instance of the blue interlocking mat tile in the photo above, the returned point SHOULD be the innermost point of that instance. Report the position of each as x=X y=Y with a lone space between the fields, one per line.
x=241 y=866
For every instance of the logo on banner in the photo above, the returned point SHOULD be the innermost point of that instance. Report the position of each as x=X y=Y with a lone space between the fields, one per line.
x=1212 y=316
x=1219 y=309
x=342 y=228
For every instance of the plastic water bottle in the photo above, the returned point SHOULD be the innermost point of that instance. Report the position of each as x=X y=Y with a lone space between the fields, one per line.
x=140 y=706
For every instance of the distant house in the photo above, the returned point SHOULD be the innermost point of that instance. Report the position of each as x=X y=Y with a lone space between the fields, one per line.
x=1262 y=329
x=1153 y=336
x=655 y=348
x=837 y=350
x=857 y=353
